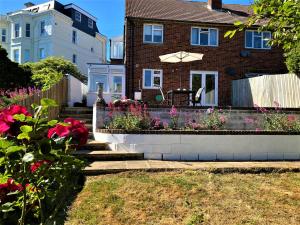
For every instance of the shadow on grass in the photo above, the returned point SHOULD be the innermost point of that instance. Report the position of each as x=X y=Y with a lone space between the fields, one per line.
x=60 y=213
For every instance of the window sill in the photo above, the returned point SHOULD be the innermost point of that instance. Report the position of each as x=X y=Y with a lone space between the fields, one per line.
x=262 y=49
x=214 y=46
x=153 y=43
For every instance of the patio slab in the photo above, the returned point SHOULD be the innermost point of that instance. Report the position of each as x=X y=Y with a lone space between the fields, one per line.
x=96 y=168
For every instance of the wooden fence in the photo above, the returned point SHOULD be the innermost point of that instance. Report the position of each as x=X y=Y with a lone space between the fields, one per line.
x=264 y=90
x=58 y=92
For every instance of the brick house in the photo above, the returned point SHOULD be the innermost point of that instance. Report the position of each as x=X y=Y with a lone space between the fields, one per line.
x=158 y=27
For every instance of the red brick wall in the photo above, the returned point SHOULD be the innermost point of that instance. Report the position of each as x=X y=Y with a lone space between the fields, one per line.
x=141 y=56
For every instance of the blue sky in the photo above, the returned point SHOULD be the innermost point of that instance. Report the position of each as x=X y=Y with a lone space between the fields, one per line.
x=110 y=13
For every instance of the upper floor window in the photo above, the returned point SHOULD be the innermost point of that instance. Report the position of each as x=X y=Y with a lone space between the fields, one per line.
x=42 y=53
x=117 y=50
x=74 y=37
x=152 y=79
x=3 y=35
x=27 y=30
x=153 y=33
x=17 y=30
x=17 y=55
x=74 y=59
x=257 y=40
x=90 y=23
x=78 y=16
x=205 y=36
x=43 y=27
x=92 y=49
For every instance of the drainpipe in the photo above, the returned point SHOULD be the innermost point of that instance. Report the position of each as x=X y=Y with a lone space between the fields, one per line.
x=131 y=61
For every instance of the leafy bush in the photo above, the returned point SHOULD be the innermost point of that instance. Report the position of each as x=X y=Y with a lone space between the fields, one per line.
x=38 y=170
x=213 y=120
x=12 y=75
x=276 y=120
x=135 y=117
x=49 y=71
x=293 y=59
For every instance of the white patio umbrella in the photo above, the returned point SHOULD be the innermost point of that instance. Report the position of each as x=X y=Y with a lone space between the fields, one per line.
x=181 y=57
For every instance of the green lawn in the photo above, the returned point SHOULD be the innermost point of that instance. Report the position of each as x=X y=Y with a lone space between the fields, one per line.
x=188 y=198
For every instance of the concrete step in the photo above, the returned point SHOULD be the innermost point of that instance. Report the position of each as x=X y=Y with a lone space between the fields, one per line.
x=77 y=116
x=78 y=110
x=109 y=155
x=93 y=146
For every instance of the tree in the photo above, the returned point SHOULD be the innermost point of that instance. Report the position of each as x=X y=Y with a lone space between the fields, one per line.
x=282 y=17
x=12 y=75
x=49 y=71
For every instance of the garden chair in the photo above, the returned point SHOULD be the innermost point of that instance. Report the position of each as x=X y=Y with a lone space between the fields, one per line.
x=160 y=98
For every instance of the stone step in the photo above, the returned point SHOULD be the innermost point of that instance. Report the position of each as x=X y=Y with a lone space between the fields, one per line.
x=76 y=116
x=105 y=155
x=77 y=110
x=92 y=146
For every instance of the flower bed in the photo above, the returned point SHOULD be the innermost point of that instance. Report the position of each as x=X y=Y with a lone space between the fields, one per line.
x=200 y=134
x=37 y=168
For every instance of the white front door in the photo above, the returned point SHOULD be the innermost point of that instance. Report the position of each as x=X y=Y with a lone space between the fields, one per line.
x=209 y=81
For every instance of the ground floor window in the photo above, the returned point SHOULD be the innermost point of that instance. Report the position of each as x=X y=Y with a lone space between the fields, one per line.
x=16 y=53
x=209 y=81
x=152 y=79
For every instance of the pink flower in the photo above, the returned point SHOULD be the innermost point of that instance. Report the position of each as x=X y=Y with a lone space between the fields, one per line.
x=291 y=118
x=222 y=119
x=173 y=112
x=249 y=120
x=210 y=110
x=258 y=129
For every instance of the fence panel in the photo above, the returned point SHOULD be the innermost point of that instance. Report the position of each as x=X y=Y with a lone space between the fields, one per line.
x=58 y=92
x=264 y=90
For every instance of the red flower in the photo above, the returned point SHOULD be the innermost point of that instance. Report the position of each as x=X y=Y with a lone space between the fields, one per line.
x=11 y=186
x=291 y=118
x=7 y=121
x=76 y=130
x=35 y=166
x=59 y=130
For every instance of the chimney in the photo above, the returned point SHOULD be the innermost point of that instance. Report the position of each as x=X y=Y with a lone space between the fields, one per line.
x=214 y=4
x=29 y=4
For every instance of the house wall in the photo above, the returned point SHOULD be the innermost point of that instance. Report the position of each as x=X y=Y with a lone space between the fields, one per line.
x=177 y=37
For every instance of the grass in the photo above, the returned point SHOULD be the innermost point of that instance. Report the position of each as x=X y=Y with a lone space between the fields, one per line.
x=188 y=198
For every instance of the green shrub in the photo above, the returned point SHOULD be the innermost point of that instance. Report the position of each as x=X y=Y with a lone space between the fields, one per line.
x=293 y=59
x=12 y=75
x=49 y=71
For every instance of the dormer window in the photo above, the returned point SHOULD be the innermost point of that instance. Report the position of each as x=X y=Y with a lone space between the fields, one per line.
x=90 y=23
x=78 y=16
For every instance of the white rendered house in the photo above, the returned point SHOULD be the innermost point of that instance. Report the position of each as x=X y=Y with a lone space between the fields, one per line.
x=53 y=29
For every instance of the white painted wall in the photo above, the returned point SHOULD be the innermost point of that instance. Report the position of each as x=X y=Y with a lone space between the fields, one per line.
x=76 y=89
x=206 y=147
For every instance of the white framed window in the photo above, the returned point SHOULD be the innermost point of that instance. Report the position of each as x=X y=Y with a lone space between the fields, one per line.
x=27 y=30
x=117 y=50
x=74 y=58
x=74 y=37
x=26 y=55
x=152 y=79
x=42 y=53
x=3 y=35
x=257 y=40
x=17 y=30
x=102 y=82
x=153 y=33
x=205 y=36
x=16 y=53
x=90 y=23
x=77 y=16
x=43 y=27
